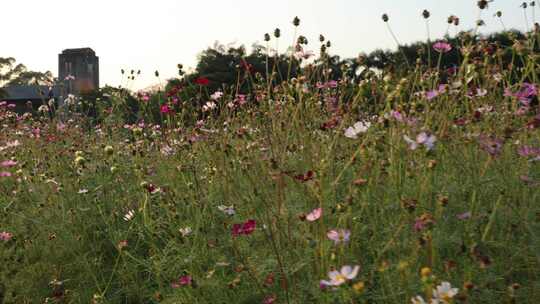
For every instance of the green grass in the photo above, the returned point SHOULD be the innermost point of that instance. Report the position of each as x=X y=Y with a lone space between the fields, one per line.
x=65 y=244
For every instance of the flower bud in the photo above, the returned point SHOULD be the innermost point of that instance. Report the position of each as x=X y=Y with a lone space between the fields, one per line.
x=109 y=150
x=425 y=272
x=79 y=160
x=482 y=4
x=296 y=21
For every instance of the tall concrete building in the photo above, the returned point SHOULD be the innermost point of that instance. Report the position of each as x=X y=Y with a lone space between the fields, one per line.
x=78 y=69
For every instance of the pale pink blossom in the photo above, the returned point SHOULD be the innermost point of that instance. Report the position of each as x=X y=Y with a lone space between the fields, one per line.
x=314 y=215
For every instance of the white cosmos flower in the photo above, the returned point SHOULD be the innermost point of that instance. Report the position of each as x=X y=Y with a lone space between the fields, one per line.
x=444 y=292
x=217 y=95
x=339 y=277
x=425 y=139
x=129 y=215
x=412 y=144
x=185 y=231
x=210 y=105
x=228 y=210
x=418 y=300
x=357 y=128
x=428 y=140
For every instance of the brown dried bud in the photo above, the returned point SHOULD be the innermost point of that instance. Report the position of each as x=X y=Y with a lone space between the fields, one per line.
x=482 y=4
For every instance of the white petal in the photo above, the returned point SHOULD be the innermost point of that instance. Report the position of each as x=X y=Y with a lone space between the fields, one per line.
x=333 y=275
x=351 y=133
x=346 y=270
x=421 y=138
x=354 y=273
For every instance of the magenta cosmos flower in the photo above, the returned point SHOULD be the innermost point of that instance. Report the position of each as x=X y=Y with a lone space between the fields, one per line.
x=442 y=47
x=245 y=228
x=182 y=281
x=165 y=109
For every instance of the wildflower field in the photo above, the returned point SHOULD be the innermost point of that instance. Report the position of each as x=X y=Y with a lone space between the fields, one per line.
x=417 y=183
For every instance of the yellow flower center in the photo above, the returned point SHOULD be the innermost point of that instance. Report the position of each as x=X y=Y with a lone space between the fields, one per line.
x=340 y=278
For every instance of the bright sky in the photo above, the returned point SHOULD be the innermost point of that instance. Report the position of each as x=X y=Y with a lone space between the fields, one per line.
x=159 y=34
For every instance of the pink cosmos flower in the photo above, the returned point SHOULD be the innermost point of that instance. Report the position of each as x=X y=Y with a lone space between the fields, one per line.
x=8 y=163
x=339 y=235
x=240 y=99
x=339 y=277
x=5 y=236
x=442 y=47
x=436 y=92
x=314 y=215
x=527 y=151
x=397 y=115
x=5 y=174
x=524 y=94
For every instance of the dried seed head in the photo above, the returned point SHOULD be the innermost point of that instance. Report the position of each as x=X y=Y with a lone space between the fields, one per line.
x=266 y=37
x=385 y=17
x=277 y=33
x=296 y=21
x=482 y=4
x=468 y=286
x=499 y=14
x=426 y=14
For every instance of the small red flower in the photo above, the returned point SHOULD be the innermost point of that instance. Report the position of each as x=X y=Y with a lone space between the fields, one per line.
x=203 y=81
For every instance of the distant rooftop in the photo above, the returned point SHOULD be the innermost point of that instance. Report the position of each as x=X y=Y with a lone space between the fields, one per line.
x=79 y=51
x=23 y=92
